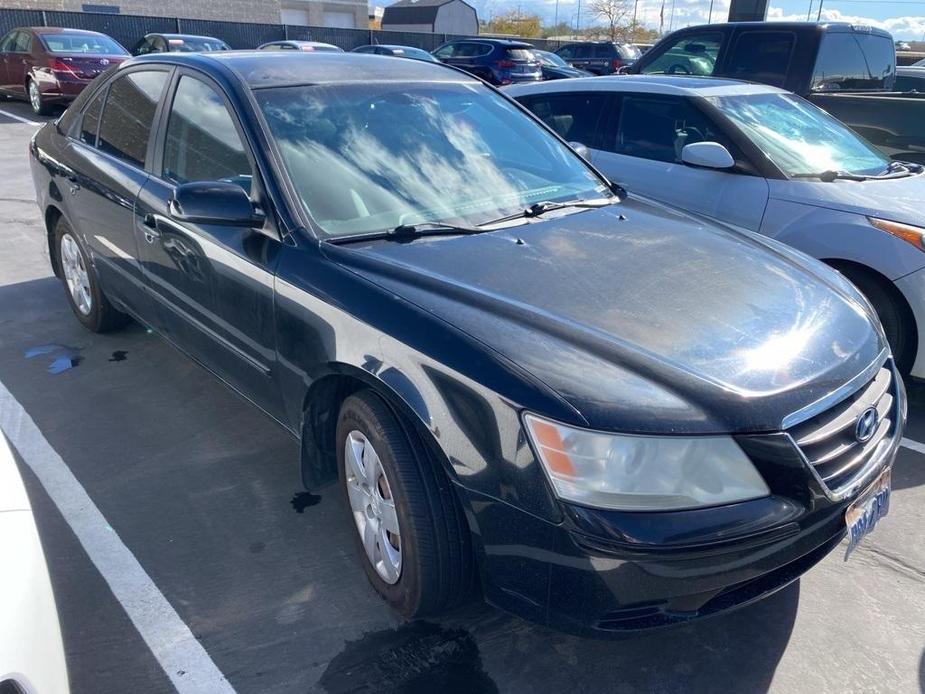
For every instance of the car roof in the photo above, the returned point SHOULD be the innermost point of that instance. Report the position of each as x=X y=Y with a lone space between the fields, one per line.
x=791 y=26
x=60 y=30
x=183 y=36
x=262 y=69
x=511 y=43
x=647 y=84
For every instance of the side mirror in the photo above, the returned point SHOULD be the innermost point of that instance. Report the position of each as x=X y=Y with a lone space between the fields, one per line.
x=580 y=150
x=710 y=155
x=214 y=202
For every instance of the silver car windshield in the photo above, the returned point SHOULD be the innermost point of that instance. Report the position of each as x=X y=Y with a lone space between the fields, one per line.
x=374 y=156
x=798 y=137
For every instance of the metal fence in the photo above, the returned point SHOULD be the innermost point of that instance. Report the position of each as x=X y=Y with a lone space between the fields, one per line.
x=129 y=29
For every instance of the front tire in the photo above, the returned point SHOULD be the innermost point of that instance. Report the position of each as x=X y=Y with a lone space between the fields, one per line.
x=82 y=284
x=895 y=316
x=38 y=103
x=411 y=534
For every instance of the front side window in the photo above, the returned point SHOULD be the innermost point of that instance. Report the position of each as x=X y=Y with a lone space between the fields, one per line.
x=762 y=56
x=567 y=52
x=6 y=45
x=446 y=51
x=202 y=143
x=90 y=122
x=370 y=157
x=574 y=116
x=693 y=54
x=798 y=137
x=128 y=114
x=659 y=127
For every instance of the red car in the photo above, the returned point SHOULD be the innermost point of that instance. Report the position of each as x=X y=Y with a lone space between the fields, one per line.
x=49 y=65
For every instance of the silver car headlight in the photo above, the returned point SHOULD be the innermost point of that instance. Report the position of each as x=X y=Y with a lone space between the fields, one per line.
x=643 y=473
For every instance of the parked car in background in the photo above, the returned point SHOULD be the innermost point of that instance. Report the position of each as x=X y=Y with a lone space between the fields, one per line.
x=178 y=43
x=461 y=320
x=31 y=652
x=555 y=68
x=398 y=52
x=761 y=159
x=306 y=46
x=910 y=79
x=49 y=66
x=497 y=61
x=846 y=69
x=599 y=57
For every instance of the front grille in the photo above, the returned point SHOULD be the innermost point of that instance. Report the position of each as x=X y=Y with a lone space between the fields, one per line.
x=828 y=440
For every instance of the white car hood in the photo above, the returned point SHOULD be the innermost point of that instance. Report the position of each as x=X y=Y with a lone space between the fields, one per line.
x=899 y=199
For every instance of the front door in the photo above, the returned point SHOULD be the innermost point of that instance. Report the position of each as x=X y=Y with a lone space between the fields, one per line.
x=641 y=150
x=212 y=284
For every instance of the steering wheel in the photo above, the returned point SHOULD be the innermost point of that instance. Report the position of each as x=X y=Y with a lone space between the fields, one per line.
x=679 y=69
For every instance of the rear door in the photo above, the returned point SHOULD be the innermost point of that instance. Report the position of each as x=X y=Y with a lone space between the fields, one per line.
x=641 y=150
x=7 y=44
x=212 y=285
x=19 y=62
x=107 y=155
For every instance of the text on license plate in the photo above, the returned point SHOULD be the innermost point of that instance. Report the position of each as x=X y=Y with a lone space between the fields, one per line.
x=861 y=517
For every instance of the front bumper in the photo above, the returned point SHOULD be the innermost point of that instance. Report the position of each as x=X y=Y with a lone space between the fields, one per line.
x=605 y=573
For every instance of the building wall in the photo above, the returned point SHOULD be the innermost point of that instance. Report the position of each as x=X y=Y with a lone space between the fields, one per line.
x=262 y=11
x=316 y=10
x=456 y=18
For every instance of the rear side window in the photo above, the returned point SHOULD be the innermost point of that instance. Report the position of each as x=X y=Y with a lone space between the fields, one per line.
x=566 y=52
x=854 y=61
x=90 y=122
x=693 y=54
x=23 y=42
x=129 y=113
x=202 y=141
x=762 y=56
x=574 y=116
x=603 y=50
x=472 y=50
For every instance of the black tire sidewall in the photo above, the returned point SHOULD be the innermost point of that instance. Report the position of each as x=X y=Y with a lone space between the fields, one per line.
x=892 y=317
x=369 y=415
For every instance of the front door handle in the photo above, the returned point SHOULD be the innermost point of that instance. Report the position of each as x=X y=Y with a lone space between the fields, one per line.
x=151 y=232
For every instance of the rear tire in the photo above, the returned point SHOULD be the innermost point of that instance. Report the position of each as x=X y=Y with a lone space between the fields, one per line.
x=435 y=567
x=82 y=285
x=38 y=103
x=895 y=316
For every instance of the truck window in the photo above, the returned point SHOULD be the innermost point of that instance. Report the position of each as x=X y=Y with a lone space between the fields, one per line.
x=849 y=61
x=692 y=54
x=762 y=56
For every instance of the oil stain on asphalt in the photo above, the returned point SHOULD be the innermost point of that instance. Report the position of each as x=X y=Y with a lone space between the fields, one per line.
x=415 y=658
x=118 y=355
x=302 y=500
x=61 y=357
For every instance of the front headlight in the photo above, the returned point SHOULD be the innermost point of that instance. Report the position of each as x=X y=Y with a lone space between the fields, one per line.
x=643 y=473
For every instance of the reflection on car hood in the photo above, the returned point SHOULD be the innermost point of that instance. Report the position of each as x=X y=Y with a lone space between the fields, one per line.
x=647 y=322
x=898 y=199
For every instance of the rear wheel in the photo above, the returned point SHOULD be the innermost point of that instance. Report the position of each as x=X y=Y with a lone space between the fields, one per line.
x=84 y=293
x=410 y=531
x=39 y=106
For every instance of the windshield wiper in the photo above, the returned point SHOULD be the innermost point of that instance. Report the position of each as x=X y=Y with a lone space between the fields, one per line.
x=831 y=175
x=539 y=208
x=895 y=169
x=408 y=232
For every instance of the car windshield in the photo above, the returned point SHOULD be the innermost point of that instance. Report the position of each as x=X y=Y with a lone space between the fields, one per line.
x=798 y=137
x=194 y=44
x=550 y=59
x=416 y=53
x=81 y=43
x=372 y=157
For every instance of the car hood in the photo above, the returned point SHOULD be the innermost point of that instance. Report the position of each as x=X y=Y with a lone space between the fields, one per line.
x=899 y=199
x=642 y=318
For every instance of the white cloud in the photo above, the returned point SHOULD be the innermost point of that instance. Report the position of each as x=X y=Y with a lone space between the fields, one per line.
x=909 y=28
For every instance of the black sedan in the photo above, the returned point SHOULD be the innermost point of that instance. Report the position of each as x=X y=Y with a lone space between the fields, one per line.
x=555 y=68
x=597 y=409
x=397 y=52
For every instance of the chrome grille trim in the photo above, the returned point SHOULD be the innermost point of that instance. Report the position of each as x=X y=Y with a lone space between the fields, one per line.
x=826 y=441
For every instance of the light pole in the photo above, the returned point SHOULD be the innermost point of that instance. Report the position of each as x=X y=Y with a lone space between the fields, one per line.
x=578 y=19
x=819 y=14
x=556 y=20
x=710 y=17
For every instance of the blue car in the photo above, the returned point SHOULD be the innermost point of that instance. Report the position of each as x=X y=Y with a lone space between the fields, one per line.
x=497 y=61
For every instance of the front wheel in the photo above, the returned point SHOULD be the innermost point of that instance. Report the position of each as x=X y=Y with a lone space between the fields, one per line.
x=895 y=317
x=410 y=531
x=84 y=293
x=39 y=106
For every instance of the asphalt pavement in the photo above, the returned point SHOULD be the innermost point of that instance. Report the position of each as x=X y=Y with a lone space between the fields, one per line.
x=203 y=491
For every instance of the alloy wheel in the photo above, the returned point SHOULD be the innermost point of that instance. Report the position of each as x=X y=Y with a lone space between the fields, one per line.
x=373 y=506
x=75 y=274
x=35 y=99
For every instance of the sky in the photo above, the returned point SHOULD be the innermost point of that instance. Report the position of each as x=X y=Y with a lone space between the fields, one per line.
x=905 y=19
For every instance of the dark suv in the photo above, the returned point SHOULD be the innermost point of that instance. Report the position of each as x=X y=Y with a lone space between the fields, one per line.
x=497 y=61
x=599 y=57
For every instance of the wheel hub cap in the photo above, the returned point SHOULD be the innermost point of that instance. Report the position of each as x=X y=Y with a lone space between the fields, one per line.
x=34 y=95
x=373 y=506
x=75 y=274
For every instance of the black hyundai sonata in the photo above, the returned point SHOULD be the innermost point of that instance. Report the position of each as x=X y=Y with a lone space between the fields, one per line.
x=603 y=414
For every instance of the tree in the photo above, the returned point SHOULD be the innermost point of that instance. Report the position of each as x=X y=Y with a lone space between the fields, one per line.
x=515 y=23
x=614 y=15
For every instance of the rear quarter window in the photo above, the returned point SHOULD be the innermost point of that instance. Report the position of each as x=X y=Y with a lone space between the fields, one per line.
x=849 y=61
x=128 y=114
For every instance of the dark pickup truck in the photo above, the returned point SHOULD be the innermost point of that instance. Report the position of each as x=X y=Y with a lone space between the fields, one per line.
x=847 y=70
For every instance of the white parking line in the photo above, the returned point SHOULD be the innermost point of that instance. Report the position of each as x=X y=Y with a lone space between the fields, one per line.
x=912 y=445
x=20 y=118
x=182 y=657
